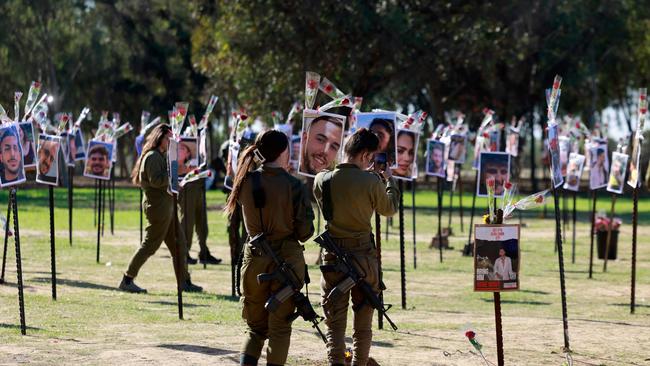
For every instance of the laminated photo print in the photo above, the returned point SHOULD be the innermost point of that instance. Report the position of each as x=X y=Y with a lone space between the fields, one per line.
x=69 y=148
x=12 y=171
x=187 y=155
x=554 y=151
x=435 y=158
x=574 y=172
x=496 y=258
x=114 y=152
x=457 y=148
x=80 y=145
x=204 y=148
x=47 y=170
x=451 y=171
x=633 y=180
x=98 y=163
x=493 y=165
x=294 y=154
x=28 y=144
x=565 y=150
x=599 y=165
x=65 y=151
x=407 y=149
x=617 y=173
x=321 y=140
x=383 y=125
x=172 y=167
x=478 y=149
x=512 y=143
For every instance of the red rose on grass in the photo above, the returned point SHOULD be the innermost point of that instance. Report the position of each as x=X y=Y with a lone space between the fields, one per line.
x=470 y=334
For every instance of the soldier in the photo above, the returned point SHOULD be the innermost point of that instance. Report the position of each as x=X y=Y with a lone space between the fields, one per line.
x=191 y=207
x=354 y=194
x=150 y=172
x=285 y=216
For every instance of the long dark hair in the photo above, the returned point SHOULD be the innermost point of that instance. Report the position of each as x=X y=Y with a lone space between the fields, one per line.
x=270 y=144
x=153 y=142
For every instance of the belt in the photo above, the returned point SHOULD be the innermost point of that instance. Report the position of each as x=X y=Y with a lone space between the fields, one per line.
x=365 y=241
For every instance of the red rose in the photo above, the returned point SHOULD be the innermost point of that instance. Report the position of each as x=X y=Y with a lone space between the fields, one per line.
x=345 y=101
x=539 y=199
x=642 y=97
x=196 y=171
x=312 y=84
x=470 y=334
x=244 y=117
x=507 y=185
x=37 y=84
x=490 y=182
x=328 y=88
x=577 y=124
x=486 y=135
x=556 y=85
x=643 y=110
x=209 y=173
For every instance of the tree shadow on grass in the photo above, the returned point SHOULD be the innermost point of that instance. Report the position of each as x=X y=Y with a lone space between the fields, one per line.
x=74 y=283
x=612 y=322
x=536 y=292
x=198 y=349
x=519 y=302
x=628 y=305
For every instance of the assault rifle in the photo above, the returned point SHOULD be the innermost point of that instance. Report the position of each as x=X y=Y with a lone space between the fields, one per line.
x=345 y=265
x=285 y=274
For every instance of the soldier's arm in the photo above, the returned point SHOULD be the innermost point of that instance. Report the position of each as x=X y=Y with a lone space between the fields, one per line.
x=303 y=215
x=156 y=171
x=386 y=197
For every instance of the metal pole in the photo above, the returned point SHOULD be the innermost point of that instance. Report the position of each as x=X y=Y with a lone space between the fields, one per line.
x=99 y=217
x=560 y=256
x=140 y=215
x=19 y=267
x=635 y=219
x=402 y=260
x=52 y=242
x=440 y=217
x=499 y=331
x=70 y=201
x=460 y=198
x=594 y=199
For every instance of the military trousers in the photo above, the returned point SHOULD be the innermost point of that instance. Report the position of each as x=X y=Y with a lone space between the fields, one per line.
x=191 y=209
x=262 y=324
x=336 y=311
x=161 y=226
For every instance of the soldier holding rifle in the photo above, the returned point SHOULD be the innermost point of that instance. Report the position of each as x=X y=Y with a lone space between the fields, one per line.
x=348 y=198
x=277 y=215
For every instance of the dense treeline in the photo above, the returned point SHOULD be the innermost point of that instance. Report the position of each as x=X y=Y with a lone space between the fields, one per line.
x=437 y=56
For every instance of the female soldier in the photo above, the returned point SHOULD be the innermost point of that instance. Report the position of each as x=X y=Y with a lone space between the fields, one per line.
x=355 y=194
x=150 y=172
x=285 y=217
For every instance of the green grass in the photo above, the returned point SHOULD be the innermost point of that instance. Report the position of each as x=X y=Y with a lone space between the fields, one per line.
x=92 y=323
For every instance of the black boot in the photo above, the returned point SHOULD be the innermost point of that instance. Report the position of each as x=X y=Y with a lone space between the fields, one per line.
x=207 y=258
x=191 y=260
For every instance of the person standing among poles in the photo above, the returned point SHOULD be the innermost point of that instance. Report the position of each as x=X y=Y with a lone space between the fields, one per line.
x=275 y=204
x=355 y=193
x=150 y=172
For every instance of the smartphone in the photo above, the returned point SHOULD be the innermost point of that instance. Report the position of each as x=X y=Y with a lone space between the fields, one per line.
x=380 y=161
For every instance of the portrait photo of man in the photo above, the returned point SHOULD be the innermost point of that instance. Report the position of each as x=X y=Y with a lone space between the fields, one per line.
x=574 y=172
x=98 y=162
x=80 y=153
x=493 y=165
x=435 y=158
x=12 y=170
x=47 y=170
x=321 y=140
x=496 y=257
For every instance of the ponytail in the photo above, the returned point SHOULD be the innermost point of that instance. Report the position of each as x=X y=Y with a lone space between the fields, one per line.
x=270 y=144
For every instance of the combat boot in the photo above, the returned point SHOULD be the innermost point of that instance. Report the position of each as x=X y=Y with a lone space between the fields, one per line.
x=128 y=285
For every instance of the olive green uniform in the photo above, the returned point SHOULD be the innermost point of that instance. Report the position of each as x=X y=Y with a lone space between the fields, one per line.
x=158 y=207
x=191 y=209
x=286 y=219
x=355 y=196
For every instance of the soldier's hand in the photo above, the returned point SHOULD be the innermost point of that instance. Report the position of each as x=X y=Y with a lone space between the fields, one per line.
x=387 y=173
